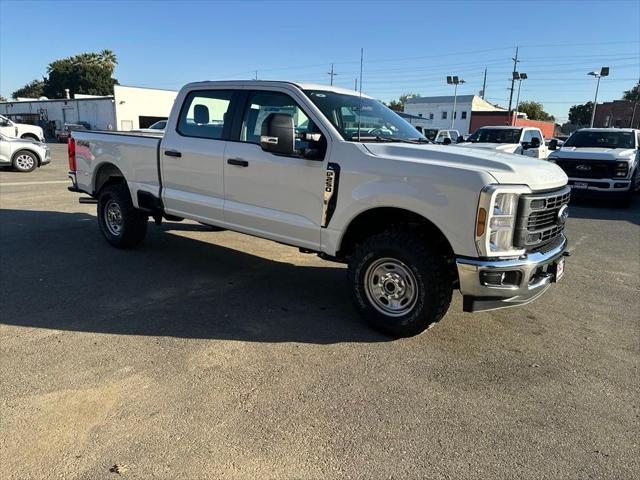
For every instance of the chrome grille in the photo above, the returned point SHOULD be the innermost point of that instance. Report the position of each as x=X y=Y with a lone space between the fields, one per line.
x=538 y=221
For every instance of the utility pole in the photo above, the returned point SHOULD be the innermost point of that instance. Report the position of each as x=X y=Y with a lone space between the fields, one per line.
x=332 y=74
x=513 y=79
x=256 y=77
x=484 y=83
x=356 y=85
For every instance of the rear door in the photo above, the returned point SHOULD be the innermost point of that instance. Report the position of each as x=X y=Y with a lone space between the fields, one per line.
x=268 y=195
x=192 y=154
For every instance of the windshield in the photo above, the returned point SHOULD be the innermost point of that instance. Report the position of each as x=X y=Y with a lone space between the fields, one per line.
x=496 y=135
x=376 y=122
x=600 y=140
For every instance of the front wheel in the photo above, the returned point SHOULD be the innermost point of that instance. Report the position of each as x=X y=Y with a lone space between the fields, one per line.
x=25 y=161
x=121 y=224
x=399 y=283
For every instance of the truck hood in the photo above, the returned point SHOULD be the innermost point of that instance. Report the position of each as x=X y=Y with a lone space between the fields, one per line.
x=499 y=147
x=505 y=168
x=594 y=153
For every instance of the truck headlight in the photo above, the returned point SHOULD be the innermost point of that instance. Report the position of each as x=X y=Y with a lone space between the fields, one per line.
x=622 y=168
x=496 y=220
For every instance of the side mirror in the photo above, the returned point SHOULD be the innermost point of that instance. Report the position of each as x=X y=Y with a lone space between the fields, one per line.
x=553 y=144
x=535 y=143
x=446 y=141
x=278 y=134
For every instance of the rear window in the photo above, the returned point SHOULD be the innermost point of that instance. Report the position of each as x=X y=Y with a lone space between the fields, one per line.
x=204 y=113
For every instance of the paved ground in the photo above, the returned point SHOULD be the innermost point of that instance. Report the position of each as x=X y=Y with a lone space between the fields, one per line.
x=216 y=355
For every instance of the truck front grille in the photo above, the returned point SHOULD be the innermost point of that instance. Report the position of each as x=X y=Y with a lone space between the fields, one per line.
x=539 y=221
x=579 y=168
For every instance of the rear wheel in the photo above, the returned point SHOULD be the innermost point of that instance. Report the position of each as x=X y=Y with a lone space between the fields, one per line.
x=399 y=283
x=25 y=161
x=121 y=224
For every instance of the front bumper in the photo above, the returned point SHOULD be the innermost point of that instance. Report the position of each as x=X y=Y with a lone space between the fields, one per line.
x=594 y=186
x=526 y=279
x=47 y=157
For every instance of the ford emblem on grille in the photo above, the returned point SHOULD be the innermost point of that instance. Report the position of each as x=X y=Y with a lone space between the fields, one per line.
x=563 y=214
x=583 y=168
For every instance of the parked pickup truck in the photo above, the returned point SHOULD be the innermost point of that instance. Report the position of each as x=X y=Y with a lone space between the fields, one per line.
x=527 y=141
x=9 y=128
x=338 y=174
x=601 y=162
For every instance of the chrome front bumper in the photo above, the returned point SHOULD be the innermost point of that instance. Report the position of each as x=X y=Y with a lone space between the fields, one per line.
x=527 y=278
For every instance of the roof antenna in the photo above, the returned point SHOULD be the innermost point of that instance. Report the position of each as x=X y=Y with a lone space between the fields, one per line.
x=360 y=109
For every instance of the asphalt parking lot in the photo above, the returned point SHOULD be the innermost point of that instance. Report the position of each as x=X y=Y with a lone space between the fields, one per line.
x=215 y=355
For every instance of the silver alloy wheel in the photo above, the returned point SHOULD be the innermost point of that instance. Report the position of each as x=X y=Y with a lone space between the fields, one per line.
x=24 y=161
x=391 y=287
x=113 y=218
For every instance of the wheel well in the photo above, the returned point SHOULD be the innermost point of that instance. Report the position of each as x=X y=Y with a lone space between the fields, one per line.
x=107 y=174
x=378 y=220
x=29 y=135
x=28 y=151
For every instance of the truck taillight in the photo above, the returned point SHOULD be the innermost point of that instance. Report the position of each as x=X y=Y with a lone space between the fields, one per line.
x=71 y=148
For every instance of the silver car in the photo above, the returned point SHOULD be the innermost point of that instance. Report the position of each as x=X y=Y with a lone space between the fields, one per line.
x=24 y=155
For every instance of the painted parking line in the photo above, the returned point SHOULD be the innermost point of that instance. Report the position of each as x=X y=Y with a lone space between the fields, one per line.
x=44 y=182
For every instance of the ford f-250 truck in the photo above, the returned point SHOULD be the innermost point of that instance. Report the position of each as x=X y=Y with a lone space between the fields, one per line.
x=601 y=162
x=336 y=173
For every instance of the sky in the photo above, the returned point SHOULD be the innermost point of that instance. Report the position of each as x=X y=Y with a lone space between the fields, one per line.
x=408 y=46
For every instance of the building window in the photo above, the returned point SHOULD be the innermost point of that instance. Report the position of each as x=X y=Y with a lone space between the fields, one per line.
x=444 y=115
x=431 y=116
x=455 y=114
x=464 y=115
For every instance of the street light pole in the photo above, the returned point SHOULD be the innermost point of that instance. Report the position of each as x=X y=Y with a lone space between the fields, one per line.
x=454 y=80
x=604 y=71
x=520 y=78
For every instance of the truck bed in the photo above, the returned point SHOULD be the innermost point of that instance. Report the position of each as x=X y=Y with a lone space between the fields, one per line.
x=135 y=154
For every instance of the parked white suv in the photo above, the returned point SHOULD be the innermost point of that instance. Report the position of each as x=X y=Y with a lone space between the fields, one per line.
x=10 y=128
x=602 y=162
x=441 y=136
x=338 y=174
x=527 y=141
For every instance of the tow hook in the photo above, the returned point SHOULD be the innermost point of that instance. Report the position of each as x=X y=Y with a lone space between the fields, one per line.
x=567 y=253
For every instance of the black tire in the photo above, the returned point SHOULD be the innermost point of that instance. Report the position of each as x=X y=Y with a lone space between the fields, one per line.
x=121 y=224
x=25 y=161
x=417 y=263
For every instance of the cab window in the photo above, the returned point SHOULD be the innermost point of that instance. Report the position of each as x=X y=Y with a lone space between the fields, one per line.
x=204 y=114
x=262 y=104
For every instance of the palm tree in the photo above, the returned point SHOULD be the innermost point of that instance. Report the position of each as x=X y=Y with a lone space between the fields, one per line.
x=108 y=58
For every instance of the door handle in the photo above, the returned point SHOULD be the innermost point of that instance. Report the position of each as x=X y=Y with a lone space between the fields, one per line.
x=237 y=162
x=172 y=153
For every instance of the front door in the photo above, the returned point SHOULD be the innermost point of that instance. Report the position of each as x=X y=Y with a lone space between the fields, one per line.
x=274 y=196
x=192 y=153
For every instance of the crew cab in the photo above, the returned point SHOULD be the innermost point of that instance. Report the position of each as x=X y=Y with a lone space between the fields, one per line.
x=527 y=141
x=9 y=128
x=334 y=172
x=601 y=162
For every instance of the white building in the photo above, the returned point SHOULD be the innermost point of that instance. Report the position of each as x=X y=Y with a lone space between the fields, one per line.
x=437 y=111
x=129 y=108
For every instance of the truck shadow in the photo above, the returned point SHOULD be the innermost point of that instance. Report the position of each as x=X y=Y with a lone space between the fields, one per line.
x=58 y=273
x=605 y=209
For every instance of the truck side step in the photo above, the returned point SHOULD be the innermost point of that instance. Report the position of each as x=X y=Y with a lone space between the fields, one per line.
x=88 y=200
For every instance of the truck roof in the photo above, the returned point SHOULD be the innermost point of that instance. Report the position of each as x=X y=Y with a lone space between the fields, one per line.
x=270 y=83
x=628 y=130
x=507 y=127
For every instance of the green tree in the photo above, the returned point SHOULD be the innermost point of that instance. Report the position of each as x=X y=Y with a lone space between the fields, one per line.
x=398 y=105
x=534 y=111
x=581 y=114
x=87 y=73
x=633 y=94
x=33 y=89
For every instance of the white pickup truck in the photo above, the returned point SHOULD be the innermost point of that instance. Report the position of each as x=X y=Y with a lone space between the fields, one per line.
x=25 y=131
x=338 y=174
x=527 y=141
x=601 y=162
